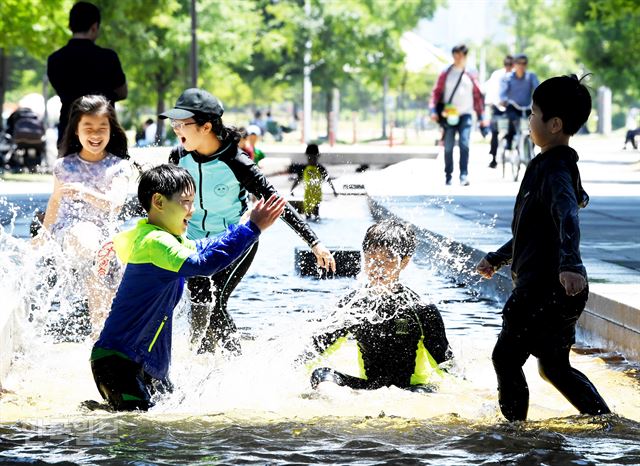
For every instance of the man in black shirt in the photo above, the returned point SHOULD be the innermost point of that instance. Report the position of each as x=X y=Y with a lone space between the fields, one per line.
x=83 y=68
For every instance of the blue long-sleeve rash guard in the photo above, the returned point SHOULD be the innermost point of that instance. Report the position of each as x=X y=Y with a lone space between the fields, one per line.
x=157 y=263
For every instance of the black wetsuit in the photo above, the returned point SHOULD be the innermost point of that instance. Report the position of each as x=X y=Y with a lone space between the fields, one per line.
x=539 y=318
x=388 y=331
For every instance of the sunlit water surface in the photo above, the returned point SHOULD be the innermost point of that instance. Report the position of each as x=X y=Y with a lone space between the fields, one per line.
x=259 y=408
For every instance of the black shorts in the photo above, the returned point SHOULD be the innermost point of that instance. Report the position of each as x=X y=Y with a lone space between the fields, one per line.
x=124 y=385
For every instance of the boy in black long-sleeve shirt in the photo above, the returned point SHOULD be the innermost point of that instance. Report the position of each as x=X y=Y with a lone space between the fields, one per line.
x=550 y=281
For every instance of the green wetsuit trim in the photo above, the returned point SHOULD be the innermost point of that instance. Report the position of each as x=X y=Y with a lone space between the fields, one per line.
x=153 y=342
x=99 y=353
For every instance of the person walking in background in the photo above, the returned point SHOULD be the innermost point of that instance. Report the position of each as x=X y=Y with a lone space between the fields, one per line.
x=492 y=98
x=83 y=68
x=517 y=88
x=455 y=97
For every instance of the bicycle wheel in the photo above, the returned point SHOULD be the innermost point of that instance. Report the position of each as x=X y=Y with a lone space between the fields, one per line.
x=515 y=163
x=504 y=156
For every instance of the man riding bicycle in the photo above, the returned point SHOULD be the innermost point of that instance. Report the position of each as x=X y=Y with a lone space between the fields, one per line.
x=517 y=87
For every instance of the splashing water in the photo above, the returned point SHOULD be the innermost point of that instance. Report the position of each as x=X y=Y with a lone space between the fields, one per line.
x=259 y=407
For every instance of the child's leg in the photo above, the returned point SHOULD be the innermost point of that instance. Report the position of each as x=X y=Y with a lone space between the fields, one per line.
x=513 y=391
x=325 y=374
x=556 y=369
x=201 y=295
x=221 y=328
x=122 y=383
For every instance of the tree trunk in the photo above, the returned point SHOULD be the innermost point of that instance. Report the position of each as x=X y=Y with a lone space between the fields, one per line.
x=385 y=90
x=328 y=111
x=160 y=108
x=4 y=74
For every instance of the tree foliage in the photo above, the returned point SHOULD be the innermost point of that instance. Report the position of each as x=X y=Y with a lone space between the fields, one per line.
x=540 y=33
x=609 y=41
x=32 y=25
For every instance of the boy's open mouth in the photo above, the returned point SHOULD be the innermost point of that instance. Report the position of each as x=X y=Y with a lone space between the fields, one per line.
x=183 y=139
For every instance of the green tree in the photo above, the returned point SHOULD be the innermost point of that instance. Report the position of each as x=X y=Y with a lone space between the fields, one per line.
x=29 y=26
x=542 y=33
x=153 y=39
x=608 y=41
x=352 y=41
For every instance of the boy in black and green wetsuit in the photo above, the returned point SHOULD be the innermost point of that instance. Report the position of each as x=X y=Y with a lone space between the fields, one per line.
x=130 y=360
x=400 y=340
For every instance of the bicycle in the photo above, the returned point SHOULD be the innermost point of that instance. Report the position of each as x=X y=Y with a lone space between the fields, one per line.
x=521 y=151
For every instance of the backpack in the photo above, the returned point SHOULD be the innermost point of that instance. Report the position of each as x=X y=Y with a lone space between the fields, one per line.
x=27 y=128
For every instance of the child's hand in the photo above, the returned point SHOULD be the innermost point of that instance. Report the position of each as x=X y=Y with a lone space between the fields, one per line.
x=324 y=257
x=265 y=213
x=572 y=282
x=485 y=269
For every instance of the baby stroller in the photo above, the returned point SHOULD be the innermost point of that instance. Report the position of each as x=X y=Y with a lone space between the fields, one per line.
x=23 y=144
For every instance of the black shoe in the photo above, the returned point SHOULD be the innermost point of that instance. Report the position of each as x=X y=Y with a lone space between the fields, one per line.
x=493 y=164
x=448 y=182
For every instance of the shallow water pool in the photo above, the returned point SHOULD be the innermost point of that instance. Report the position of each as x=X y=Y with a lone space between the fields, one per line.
x=259 y=409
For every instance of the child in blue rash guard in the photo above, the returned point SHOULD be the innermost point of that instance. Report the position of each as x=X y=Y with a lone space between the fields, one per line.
x=400 y=340
x=130 y=360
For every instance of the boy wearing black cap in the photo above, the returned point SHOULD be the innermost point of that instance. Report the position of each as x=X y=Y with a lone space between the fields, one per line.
x=550 y=281
x=224 y=176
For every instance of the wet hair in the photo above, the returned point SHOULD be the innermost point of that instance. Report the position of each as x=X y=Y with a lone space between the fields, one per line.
x=222 y=132
x=166 y=179
x=564 y=97
x=391 y=235
x=82 y=16
x=94 y=105
x=460 y=48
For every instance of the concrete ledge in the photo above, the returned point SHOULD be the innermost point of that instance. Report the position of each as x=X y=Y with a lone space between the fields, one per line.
x=336 y=155
x=606 y=322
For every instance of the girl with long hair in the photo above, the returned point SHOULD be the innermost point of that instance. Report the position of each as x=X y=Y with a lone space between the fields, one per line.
x=90 y=185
